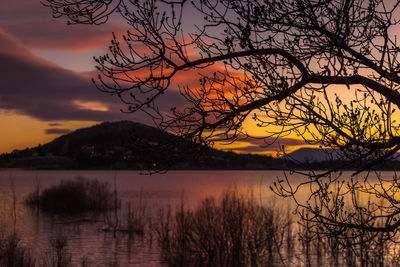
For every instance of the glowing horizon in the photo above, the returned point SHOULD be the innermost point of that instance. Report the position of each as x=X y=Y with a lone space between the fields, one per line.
x=45 y=87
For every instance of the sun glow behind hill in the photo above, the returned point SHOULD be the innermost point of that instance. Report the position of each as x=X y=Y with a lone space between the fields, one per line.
x=23 y=131
x=72 y=50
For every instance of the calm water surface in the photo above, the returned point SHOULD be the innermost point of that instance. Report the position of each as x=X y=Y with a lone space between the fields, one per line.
x=159 y=190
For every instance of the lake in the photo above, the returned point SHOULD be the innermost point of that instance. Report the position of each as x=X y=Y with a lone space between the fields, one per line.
x=158 y=190
x=85 y=240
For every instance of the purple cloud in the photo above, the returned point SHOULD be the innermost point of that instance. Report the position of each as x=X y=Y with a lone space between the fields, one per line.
x=54 y=124
x=253 y=149
x=265 y=144
x=57 y=131
x=32 y=23
x=36 y=87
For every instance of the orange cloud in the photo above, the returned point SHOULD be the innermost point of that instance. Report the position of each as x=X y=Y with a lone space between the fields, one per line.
x=91 y=105
x=32 y=24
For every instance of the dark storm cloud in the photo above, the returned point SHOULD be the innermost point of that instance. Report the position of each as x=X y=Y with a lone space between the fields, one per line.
x=57 y=37
x=55 y=124
x=33 y=86
x=266 y=144
x=57 y=131
x=252 y=149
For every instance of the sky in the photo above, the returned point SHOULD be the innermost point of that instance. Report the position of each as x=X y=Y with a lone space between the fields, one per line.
x=45 y=71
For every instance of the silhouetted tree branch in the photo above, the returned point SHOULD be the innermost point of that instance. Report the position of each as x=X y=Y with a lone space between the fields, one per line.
x=326 y=71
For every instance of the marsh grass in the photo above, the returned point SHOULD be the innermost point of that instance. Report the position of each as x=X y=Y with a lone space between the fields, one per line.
x=73 y=196
x=57 y=255
x=233 y=231
x=238 y=231
x=348 y=251
x=132 y=218
x=135 y=218
x=13 y=253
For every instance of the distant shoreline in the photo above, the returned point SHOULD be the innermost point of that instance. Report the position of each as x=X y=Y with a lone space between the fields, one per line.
x=197 y=170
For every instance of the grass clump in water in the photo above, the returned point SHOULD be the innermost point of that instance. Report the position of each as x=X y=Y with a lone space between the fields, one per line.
x=74 y=196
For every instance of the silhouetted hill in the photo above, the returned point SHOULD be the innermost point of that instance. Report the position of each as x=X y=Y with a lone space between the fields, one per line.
x=129 y=145
x=316 y=158
x=314 y=155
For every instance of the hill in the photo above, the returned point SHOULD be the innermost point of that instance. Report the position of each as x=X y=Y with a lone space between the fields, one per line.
x=129 y=145
x=313 y=155
x=323 y=159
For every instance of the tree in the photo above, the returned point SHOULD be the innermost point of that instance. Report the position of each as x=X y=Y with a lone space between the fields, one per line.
x=326 y=71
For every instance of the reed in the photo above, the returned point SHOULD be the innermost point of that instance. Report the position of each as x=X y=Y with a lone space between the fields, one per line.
x=57 y=255
x=234 y=231
x=13 y=253
x=131 y=218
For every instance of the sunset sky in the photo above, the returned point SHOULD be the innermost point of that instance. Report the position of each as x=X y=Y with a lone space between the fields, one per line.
x=45 y=71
